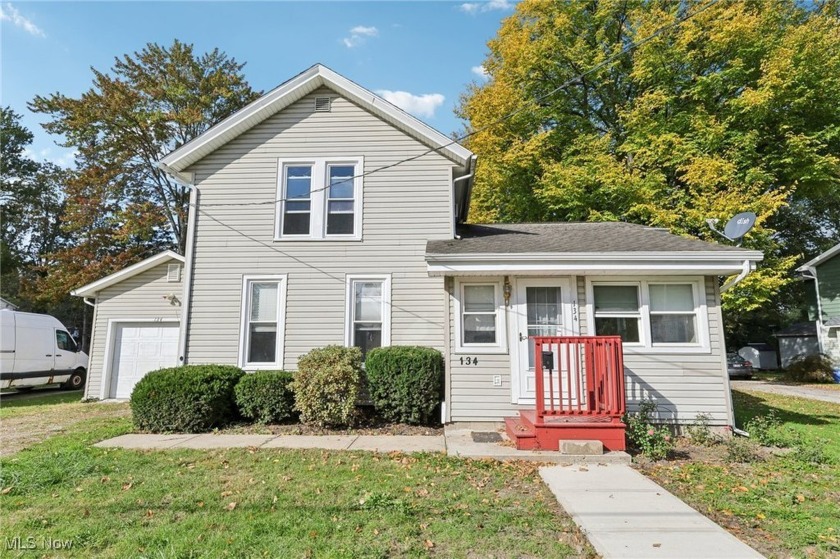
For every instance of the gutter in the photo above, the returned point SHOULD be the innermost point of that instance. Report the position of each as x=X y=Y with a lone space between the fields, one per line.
x=746 y=268
x=85 y=299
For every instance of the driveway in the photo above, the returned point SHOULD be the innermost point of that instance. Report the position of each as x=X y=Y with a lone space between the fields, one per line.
x=824 y=395
x=29 y=418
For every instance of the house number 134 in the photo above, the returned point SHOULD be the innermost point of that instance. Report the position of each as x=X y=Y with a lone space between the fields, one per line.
x=469 y=361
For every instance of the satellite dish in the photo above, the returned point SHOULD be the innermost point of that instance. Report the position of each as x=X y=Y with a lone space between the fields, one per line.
x=739 y=225
x=736 y=227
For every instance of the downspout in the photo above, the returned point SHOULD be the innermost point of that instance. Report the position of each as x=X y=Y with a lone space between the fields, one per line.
x=813 y=271
x=467 y=192
x=85 y=299
x=746 y=268
x=188 y=274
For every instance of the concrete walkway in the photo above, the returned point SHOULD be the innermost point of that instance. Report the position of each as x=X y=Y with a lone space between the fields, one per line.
x=626 y=515
x=826 y=395
x=373 y=443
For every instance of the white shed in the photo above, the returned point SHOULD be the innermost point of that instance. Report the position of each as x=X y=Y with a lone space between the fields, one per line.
x=762 y=356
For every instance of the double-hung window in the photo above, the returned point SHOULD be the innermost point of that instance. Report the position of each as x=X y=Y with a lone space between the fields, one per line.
x=368 y=312
x=618 y=311
x=319 y=199
x=673 y=315
x=261 y=339
x=481 y=319
x=652 y=314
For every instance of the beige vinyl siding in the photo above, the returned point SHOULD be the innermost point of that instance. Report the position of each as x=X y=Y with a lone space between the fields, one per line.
x=138 y=297
x=403 y=207
x=683 y=384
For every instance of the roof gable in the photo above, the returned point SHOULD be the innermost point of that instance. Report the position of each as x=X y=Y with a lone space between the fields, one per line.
x=820 y=259
x=92 y=289
x=178 y=161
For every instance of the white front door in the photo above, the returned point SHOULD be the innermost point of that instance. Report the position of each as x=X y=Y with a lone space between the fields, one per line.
x=138 y=349
x=543 y=308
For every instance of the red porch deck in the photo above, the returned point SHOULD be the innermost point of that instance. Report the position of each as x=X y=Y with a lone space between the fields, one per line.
x=579 y=396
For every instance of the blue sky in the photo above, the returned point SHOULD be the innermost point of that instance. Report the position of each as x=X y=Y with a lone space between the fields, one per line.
x=419 y=54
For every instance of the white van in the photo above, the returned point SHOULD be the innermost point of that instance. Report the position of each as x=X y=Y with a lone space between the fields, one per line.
x=36 y=349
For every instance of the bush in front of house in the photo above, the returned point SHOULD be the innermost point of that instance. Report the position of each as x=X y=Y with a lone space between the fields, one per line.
x=327 y=385
x=652 y=440
x=265 y=396
x=188 y=399
x=813 y=368
x=405 y=383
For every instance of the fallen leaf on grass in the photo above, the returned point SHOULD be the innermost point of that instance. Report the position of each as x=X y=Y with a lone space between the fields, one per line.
x=231 y=506
x=429 y=544
x=127 y=486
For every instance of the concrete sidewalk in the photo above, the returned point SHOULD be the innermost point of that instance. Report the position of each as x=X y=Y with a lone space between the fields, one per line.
x=626 y=515
x=373 y=443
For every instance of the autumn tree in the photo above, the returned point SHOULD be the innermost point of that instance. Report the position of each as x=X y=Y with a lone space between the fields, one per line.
x=733 y=109
x=150 y=103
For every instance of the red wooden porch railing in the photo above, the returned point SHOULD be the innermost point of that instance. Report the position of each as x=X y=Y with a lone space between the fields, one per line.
x=589 y=372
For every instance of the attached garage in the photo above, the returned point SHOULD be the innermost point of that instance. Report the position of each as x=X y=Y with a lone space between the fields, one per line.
x=138 y=349
x=136 y=324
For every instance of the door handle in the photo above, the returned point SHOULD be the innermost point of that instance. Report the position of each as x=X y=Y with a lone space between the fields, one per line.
x=58 y=355
x=49 y=355
x=522 y=338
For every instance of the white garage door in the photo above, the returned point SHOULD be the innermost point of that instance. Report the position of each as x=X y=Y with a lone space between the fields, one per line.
x=138 y=349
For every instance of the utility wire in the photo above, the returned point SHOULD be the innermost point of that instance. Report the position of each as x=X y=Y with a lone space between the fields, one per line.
x=609 y=60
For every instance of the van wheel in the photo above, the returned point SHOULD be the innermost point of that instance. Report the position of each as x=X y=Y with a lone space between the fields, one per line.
x=76 y=380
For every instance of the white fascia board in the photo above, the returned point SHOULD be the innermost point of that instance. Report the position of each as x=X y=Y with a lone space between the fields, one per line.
x=582 y=266
x=699 y=256
x=92 y=289
x=289 y=92
x=820 y=259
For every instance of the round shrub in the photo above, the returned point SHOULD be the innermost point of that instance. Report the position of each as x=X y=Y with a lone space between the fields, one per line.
x=327 y=384
x=188 y=399
x=265 y=396
x=405 y=382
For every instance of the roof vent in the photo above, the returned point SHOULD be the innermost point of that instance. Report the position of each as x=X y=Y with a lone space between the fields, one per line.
x=173 y=272
x=322 y=104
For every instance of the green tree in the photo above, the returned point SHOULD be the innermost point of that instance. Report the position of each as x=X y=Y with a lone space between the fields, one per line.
x=149 y=104
x=735 y=109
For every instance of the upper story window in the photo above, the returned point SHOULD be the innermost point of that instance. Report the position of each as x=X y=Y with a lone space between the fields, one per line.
x=652 y=315
x=319 y=199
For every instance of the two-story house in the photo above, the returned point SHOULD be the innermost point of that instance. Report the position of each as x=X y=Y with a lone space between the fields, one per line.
x=322 y=214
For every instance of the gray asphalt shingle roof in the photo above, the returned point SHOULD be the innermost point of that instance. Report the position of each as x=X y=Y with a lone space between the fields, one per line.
x=568 y=238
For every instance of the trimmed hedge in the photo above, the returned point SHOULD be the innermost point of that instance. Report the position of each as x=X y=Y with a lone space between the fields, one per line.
x=188 y=399
x=265 y=396
x=327 y=384
x=405 y=382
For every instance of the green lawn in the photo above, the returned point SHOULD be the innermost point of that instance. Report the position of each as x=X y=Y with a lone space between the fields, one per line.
x=274 y=503
x=785 y=506
x=11 y=404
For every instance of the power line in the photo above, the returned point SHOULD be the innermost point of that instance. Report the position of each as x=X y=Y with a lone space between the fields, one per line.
x=609 y=60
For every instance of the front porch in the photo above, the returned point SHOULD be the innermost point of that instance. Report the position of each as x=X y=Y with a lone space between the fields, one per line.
x=579 y=395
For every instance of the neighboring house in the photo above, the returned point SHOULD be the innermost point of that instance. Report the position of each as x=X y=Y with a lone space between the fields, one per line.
x=4 y=304
x=322 y=214
x=824 y=273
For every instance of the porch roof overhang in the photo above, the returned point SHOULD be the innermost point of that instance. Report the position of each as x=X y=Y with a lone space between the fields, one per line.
x=603 y=263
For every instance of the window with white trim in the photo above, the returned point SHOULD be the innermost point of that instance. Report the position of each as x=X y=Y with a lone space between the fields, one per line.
x=618 y=311
x=480 y=318
x=652 y=313
x=261 y=342
x=673 y=315
x=319 y=199
x=368 y=312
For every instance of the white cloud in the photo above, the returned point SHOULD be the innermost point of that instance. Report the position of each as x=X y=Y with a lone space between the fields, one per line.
x=481 y=72
x=419 y=105
x=358 y=35
x=473 y=8
x=11 y=14
x=66 y=158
